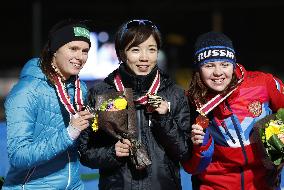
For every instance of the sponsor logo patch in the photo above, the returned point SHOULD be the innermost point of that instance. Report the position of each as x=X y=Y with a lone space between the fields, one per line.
x=79 y=31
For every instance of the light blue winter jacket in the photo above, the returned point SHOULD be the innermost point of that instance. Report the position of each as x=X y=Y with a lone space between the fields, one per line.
x=40 y=151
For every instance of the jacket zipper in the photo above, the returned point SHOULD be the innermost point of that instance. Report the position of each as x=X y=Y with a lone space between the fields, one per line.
x=139 y=138
x=227 y=132
x=242 y=145
x=238 y=133
x=69 y=170
x=29 y=174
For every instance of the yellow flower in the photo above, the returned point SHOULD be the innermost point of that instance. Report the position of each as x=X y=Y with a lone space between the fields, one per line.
x=271 y=130
x=120 y=103
x=95 y=125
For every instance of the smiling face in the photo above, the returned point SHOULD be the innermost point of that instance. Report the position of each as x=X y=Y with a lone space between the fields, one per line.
x=217 y=75
x=141 y=59
x=70 y=58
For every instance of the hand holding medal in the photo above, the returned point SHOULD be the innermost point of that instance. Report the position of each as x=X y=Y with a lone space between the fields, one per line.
x=81 y=119
x=154 y=100
x=198 y=129
x=202 y=120
x=156 y=103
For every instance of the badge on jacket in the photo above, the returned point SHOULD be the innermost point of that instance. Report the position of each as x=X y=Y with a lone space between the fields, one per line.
x=255 y=108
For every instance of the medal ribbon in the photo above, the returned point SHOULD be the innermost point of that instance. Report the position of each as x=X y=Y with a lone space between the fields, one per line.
x=64 y=97
x=143 y=99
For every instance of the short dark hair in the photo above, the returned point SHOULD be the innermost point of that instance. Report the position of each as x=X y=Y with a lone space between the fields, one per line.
x=135 y=32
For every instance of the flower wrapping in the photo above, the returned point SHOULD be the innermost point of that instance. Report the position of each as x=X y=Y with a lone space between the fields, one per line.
x=268 y=134
x=116 y=115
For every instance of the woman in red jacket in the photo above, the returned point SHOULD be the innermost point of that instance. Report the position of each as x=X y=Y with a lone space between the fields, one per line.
x=233 y=99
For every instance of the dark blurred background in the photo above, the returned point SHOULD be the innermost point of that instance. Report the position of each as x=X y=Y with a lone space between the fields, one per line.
x=254 y=26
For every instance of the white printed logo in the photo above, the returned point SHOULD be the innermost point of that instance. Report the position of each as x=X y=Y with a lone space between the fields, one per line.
x=215 y=53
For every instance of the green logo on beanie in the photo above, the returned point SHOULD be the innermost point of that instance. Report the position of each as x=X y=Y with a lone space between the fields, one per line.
x=79 y=31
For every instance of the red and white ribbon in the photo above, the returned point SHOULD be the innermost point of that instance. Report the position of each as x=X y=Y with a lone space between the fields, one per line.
x=65 y=98
x=143 y=99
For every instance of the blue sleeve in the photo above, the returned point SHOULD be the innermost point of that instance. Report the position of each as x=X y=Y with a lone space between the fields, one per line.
x=84 y=89
x=25 y=150
x=206 y=155
x=201 y=156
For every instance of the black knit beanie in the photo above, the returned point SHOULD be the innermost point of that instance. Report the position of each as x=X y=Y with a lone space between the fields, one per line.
x=213 y=46
x=66 y=34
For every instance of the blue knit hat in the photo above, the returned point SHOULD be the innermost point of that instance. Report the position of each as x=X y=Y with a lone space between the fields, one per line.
x=213 y=46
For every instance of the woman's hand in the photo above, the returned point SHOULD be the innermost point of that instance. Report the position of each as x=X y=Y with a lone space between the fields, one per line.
x=81 y=120
x=122 y=148
x=197 y=134
x=163 y=107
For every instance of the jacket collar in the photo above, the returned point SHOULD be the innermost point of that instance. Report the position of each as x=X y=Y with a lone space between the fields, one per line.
x=139 y=83
x=130 y=80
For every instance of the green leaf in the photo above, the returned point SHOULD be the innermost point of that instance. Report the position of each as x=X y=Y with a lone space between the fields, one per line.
x=276 y=143
x=278 y=161
x=280 y=114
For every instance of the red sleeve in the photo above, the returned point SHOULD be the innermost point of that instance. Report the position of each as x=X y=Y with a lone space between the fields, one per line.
x=201 y=158
x=276 y=92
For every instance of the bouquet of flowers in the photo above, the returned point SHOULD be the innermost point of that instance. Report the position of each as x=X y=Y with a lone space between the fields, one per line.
x=269 y=136
x=112 y=104
x=115 y=114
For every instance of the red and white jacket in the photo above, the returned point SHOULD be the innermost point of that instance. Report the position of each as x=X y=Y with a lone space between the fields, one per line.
x=230 y=160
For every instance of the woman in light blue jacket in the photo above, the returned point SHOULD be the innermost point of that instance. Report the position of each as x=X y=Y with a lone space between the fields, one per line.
x=45 y=113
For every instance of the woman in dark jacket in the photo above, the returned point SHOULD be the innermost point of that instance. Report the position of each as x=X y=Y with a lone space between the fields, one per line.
x=161 y=130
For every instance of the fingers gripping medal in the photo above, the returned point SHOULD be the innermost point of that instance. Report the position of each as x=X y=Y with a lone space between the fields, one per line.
x=202 y=120
x=154 y=100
